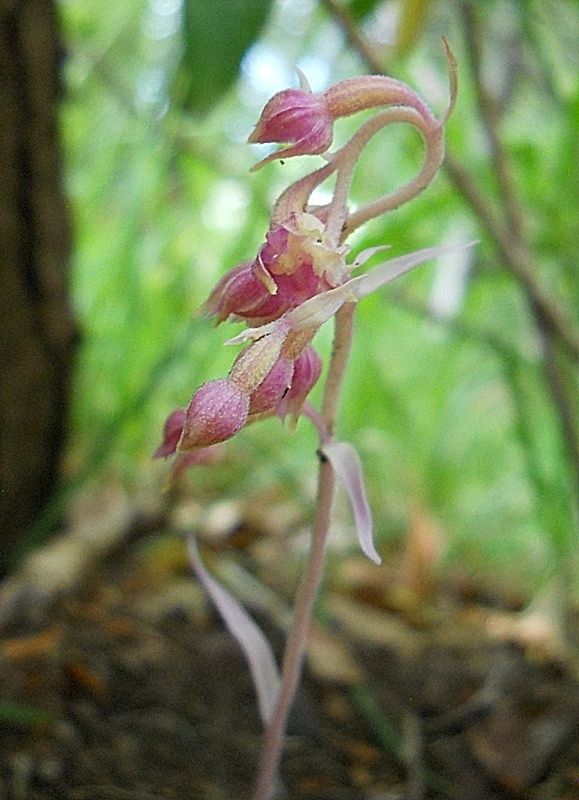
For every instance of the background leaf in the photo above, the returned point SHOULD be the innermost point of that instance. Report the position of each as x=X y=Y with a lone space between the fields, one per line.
x=413 y=19
x=216 y=35
x=361 y=8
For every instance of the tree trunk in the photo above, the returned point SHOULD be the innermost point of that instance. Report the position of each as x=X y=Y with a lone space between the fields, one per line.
x=37 y=331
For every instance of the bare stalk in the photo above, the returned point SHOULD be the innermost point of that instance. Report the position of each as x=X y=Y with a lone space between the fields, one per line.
x=314 y=570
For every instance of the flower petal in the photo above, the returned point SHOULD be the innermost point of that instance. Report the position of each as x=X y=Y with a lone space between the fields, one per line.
x=250 y=638
x=367 y=254
x=172 y=430
x=346 y=464
x=319 y=309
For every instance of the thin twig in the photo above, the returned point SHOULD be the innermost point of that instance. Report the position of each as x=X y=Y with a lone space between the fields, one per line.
x=353 y=34
x=515 y=258
x=490 y=116
x=552 y=323
x=548 y=316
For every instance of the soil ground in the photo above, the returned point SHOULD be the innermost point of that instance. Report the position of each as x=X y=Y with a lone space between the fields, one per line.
x=125 y=686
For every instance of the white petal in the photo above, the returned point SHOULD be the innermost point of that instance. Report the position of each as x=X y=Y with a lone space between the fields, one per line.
x=253 y=334
x=365 y=255
x=320 y=308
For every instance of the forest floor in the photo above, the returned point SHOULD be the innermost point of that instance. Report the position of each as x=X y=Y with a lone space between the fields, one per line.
x=118 y=681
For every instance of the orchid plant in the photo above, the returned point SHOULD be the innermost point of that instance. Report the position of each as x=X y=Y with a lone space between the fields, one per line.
x=301 y=278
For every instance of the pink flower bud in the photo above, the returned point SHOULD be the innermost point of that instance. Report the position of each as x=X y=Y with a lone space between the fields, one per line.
x=307 y=369
x=273 y=388
x=296 y=116
x=172 y=430
x=239 y=292
x=217 y=411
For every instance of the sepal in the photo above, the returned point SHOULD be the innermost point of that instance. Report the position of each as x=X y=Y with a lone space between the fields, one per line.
x=297 y=117
x=217 y=411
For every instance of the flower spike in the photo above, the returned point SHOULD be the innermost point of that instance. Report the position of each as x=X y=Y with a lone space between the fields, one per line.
x=299 y=278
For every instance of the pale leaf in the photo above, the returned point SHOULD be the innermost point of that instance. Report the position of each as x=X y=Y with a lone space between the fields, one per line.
x=346 y=464
x=250 y=638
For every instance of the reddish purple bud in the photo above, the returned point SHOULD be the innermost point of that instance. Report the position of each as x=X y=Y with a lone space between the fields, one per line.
x=307 y=369
x=172 y=430
x=298 y=117
x=239 y=292
x=273 y=388
x=276 y=240
x=217 y=411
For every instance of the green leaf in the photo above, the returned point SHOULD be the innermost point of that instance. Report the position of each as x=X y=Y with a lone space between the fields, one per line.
x=25 y=716
x=413 y=18
x=216 y=35
x=359 y=9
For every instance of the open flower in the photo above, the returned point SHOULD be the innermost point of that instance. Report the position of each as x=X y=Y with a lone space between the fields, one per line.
x=293 y=265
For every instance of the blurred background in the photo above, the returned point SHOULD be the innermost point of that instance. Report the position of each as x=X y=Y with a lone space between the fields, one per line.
x=126 y=194
x=461 y=394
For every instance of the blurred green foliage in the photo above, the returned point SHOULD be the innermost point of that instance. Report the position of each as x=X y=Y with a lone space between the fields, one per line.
x=215 y=36
x=447 y=396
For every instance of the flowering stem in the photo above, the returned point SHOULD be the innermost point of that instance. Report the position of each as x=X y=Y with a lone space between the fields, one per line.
x=314 y=570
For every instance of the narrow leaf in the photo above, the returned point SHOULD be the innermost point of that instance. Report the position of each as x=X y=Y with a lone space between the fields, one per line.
x=255 y=646
x=384 y=273
x=346 y=464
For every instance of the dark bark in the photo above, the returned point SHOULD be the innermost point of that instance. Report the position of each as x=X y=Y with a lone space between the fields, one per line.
x=37 y=331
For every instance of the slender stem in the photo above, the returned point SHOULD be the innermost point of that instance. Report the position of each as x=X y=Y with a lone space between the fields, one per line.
x=314 y=570
x=433 y=140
